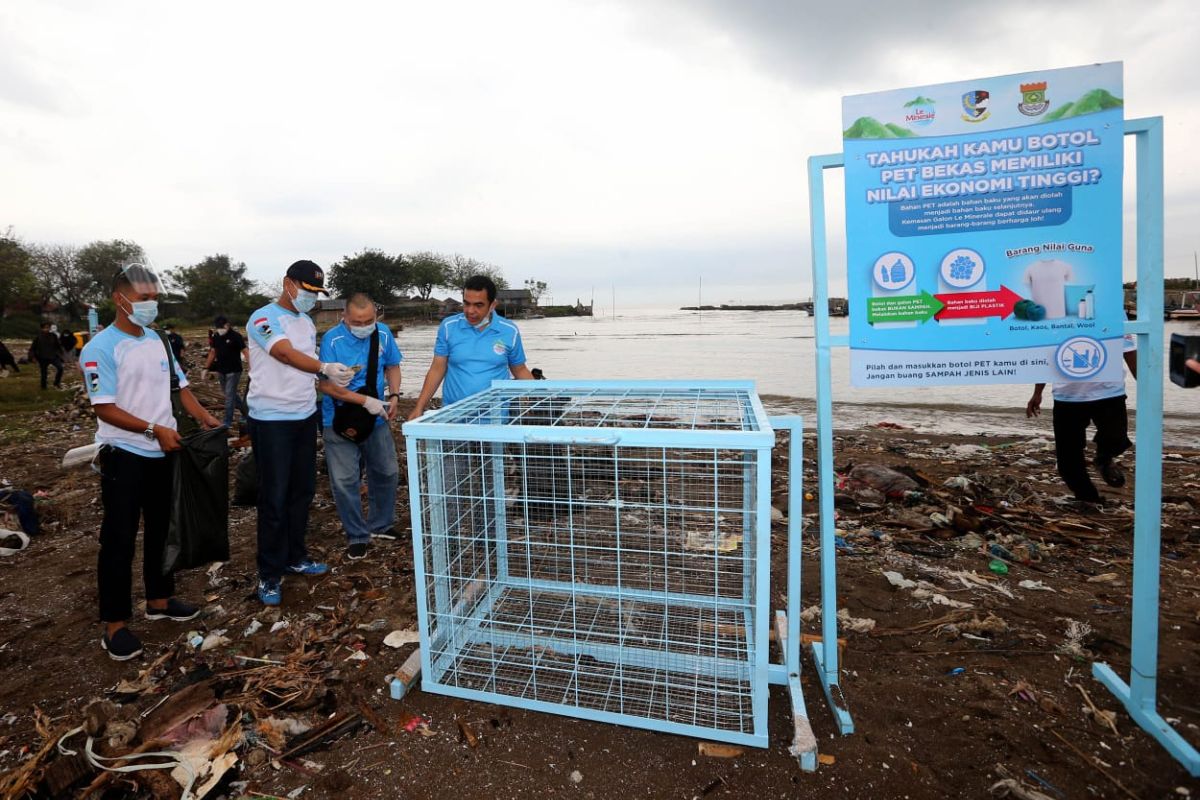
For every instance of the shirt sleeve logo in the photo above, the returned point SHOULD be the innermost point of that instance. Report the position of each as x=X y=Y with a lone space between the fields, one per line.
x=93 y=377
x=263 y=326
x=499 y=347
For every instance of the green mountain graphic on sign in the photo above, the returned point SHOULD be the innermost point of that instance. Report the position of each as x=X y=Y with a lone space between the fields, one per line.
x=1092 y=102
x=918 y=101
x=871 y=128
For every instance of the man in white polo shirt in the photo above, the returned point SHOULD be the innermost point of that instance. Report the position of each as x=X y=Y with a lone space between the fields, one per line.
x=126 y=370
x=283 y=425
x=1077 y=405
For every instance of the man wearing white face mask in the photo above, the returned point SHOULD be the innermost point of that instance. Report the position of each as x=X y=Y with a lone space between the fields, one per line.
x=283 y=425
x=357 y=439
x=126 y=370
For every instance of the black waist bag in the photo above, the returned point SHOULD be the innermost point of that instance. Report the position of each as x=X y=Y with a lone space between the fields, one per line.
x=350 y=420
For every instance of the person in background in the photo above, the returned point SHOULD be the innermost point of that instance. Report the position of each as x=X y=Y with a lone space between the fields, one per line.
x=66 y=340
x=7 y=361
x=473 y=349
x=1077 y=405
x=46 y=350
x=226 y=349
x=125 y=370
x=177 y=345
x=284 y=420
x=349 y=342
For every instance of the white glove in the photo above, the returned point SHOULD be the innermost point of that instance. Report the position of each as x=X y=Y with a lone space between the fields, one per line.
x=340 y=374
x=375 y=406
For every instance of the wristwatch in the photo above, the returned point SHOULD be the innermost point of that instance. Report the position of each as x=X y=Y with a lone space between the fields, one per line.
x=149 y=432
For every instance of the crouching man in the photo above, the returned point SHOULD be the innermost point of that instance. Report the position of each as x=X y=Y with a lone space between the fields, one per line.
x=126 y=369
x=360 y=339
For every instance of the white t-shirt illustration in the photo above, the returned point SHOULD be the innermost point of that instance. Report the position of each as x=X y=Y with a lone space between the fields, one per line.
x=1047 y=281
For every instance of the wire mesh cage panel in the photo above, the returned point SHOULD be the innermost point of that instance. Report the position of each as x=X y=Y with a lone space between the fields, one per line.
x=599 y=550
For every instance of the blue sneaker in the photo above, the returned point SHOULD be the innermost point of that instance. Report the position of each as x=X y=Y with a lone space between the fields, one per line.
x=269 y=593
x=307 y=567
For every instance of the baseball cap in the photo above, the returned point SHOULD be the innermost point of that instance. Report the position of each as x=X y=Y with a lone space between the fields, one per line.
x=308 y=275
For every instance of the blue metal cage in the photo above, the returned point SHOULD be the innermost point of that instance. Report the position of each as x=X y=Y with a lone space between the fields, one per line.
x=598 y=549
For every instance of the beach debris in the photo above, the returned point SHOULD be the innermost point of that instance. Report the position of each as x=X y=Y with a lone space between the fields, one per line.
x=923 y=590
x=214 y=639
x=12 y=542
x=1106 y=577
x=974 y=627
x=372 y=626
x=965 y=451
x=882 y=479
x=254 y=627
x=710 y=541
x=399 y=638
x=715 y=750
x=997 y=566
x=278 y=626
x=958 y=482
x=1074 y=635
x=576 y=777
x=470 y=737
x=956 y=671
x=1107 y=719
x=845 y=621
x=1035 y=586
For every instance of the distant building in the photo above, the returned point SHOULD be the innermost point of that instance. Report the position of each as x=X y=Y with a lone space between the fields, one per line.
x=513 y=303
x=449 y=306
x=327 y=313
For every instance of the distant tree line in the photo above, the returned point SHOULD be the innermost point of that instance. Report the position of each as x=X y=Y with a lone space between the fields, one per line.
x=385 y=277
x=63 y=279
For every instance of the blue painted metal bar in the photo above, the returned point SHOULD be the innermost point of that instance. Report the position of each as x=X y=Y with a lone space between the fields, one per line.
x=1139 y=694
x=418 y=542
x=825 y=658
x=625 y=437
x=762 y=590
x=640 y=595
x=582 y=712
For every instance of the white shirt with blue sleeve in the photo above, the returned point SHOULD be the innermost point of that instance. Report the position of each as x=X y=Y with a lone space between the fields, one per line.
x=277 y=391
x=132 y=373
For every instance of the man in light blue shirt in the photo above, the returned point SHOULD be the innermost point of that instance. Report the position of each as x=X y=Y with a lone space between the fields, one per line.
x=349 y=342
x=473 y=349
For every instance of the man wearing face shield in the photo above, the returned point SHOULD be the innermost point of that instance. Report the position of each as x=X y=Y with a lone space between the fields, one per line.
x=349 y=342
x=126 y=371
x=283 y=424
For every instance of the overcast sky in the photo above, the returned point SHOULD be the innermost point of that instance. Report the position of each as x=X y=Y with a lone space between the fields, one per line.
x=641 y=143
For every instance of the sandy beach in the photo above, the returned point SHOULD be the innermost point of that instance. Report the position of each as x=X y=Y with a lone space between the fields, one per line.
x=946 y=699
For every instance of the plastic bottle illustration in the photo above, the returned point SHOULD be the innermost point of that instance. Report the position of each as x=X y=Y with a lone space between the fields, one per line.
x=1090 y=300
x=1082 y=314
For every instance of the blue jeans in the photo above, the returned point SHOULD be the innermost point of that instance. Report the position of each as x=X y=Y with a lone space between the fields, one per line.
x=229 y=385
x=285 y=452
x=346 y=461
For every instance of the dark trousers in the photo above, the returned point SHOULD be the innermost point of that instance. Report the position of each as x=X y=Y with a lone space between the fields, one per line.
x=44 y=366
x=133 y=488
x=1071 y=422
x=285 y=452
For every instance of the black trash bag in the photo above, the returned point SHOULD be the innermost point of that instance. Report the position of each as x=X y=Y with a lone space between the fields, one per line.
x=245 y=482
x=199 y=531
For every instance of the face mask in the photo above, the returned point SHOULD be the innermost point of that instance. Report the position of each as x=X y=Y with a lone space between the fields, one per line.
x=362 y=331
x=223 y=331
x=143 y=312
x=483 y=323
x=304 y=300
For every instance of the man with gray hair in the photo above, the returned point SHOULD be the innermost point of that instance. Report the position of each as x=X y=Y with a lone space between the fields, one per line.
x=355 y=423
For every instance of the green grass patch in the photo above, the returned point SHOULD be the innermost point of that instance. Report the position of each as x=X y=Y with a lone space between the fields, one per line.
x=22 y=402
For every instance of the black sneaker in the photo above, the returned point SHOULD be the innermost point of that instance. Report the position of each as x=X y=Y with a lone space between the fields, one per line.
x=1111 y=472
x=176 y=610
x=356 y=551
x=122 y=646
x=390 y=534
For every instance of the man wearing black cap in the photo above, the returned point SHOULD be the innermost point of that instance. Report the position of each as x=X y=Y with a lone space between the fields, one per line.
x=285 y=419
x=226 y=347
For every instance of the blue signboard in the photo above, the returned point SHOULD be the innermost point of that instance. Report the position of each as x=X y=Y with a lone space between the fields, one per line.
x=983 y=226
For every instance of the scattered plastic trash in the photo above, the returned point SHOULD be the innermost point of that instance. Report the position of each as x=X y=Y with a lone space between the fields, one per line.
x=997 y=566
x=1036 y=586
x=278 y=626
x=252 y=628
x=957 y=671
x=957 y=482
x=401 y=638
